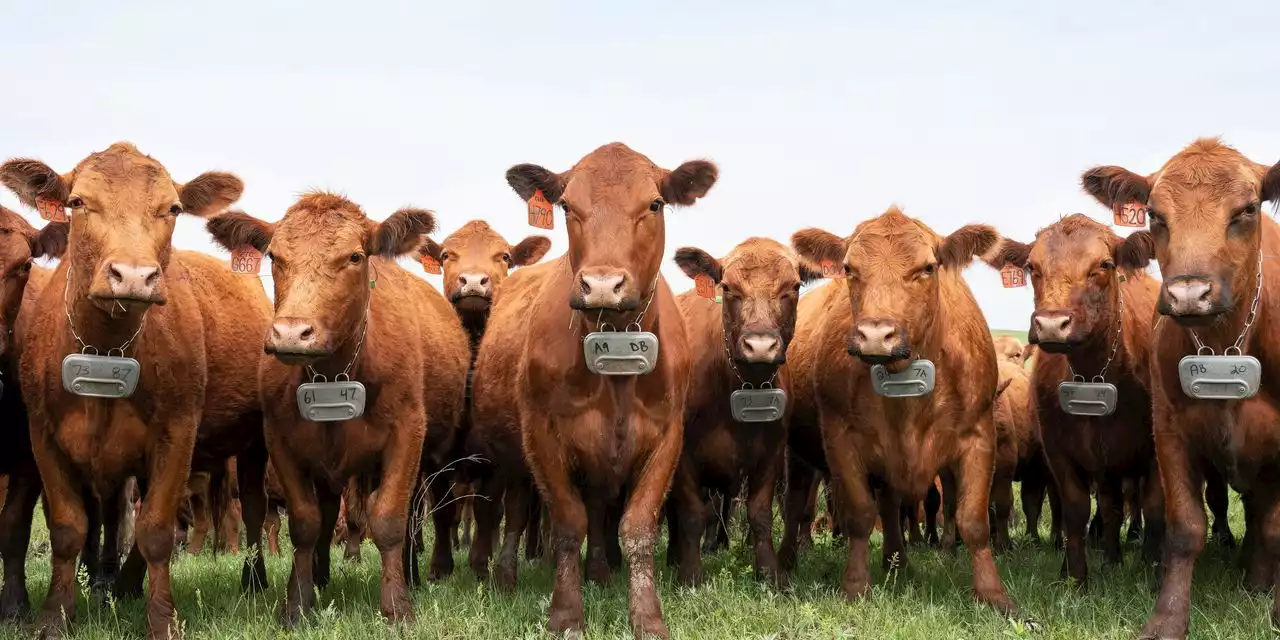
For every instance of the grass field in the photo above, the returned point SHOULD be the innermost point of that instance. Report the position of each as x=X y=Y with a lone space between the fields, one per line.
x=929 y=600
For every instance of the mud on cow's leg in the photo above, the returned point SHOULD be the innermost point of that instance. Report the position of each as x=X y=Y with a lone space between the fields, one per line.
x=15 y=538
x=975 y=469
x=638 y=529
x=251 y=472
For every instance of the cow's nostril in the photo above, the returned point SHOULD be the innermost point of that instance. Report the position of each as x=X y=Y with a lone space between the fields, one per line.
x=484 y=280
x=617 y=288
x=114 y=273
x=584 y=286
x=307 y=333
x=151 y=279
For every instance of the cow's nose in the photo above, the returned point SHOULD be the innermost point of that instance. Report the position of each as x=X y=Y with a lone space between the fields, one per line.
x=1052 y=327
x=760 y=347
x=602 y=289
x=473 y=284
x=292 y=334
x=1189 y=296
x=136 y=281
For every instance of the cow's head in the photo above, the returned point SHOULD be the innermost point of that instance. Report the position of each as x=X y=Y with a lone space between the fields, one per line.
x=476 y=259
x=1205 y=208
x=1009 y=349
x=123 y=208
x=759 y=284
x=892 y=266
x=1076 y=265
x=19 y=244
x=614 y=201
x=321 y=265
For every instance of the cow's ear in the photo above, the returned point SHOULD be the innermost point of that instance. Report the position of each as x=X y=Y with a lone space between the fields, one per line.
x=1135 y=252
x=1009 y=251
x=237 y=229
x=526 y=179
x=430 y=248
x=1115 y=186
x=1271 y=184
x=50 y=241
x=689 y=182
x=530 y=250
x=696 y=262
x=815 y=247
x=809 y=275
x=400 y=233
x=33 y=180
x=1004 y=385
x=210 y=193
x=959 y=248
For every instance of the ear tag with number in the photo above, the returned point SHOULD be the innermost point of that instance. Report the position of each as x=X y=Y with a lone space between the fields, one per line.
x=246 y=260
x=916 y=380
x=431 y=265
x=705 y=286
x=1080 y=398
x=758 y=405
x=541 y=215
x=52 y=210
x=95 y=376
x=1130 y=214
x=1236 y=377
x=620 y=353
x=1012 y=276
x=832 y=269
x=331 y=401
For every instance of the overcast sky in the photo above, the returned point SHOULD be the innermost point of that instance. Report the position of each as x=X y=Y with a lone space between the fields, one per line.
x=818 y=115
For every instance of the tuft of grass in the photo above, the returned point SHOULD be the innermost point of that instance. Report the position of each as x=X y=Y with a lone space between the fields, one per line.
x=928 y=598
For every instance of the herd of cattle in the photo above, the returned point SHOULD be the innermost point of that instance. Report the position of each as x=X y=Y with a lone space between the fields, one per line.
x=557 y=397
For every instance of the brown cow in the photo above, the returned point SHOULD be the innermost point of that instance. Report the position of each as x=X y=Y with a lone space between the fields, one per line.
x=904 y=299
x=1019 y=456
x=1211 y=240
x=190 y=323
x=594 y=441
x=738 y=343
x=1094 y=309
x=1010 y=349
x=20 y=287
x=476 y=260
x=215 y=507
x=345 y=308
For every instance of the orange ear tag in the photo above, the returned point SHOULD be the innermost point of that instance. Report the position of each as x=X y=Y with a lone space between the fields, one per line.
x=705 y=287
x=541 y=214
x=832 y=270
x=1132 y=214
x=1012 y=276
x=246 y=260
x=52 y=210
x=431 y=265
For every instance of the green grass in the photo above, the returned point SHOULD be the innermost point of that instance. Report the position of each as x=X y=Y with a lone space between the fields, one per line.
x=1020 y=335
x=929 y=600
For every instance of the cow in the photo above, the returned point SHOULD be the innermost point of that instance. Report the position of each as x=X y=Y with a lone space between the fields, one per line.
x=190 y=322
x=21 y=285
x=903 y=299
x=1010 y=349
x=737 y=343
x=475 y=261
x=1019 y=456
x=215 y=509
x=595 y=441
x=345 y=310
x=1211 y=240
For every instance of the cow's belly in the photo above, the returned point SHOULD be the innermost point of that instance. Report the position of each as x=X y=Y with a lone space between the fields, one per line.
x=336 y=451
x=605 y=449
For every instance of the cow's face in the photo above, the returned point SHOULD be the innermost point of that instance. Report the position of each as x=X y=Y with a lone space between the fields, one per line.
x=1009 y=349
x=892 y=266
x=320 y=263
x=1205 y=208
x=1075 y=266
x=123 y=208
x=19 y=244
x=476 y=259
x=614 y=202
x=759 y=284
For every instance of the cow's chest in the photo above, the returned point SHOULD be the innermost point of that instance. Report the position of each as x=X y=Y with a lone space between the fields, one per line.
x=107 y=440
x=904 y=443
x=336 y=449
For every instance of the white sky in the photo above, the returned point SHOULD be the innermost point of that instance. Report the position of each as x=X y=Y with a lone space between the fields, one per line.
x=818 y=115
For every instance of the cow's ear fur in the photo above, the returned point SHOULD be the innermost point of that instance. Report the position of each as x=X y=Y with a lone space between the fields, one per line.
x=530 y=250
x=50 y=241
x=959 y=248
x=33 y=180
x=1271 y=184
x=237 y=229
x=815 y=246
x=689 y=181
x=430 y=248
x=1009 y=251
x=400 y=233
x=809 y=275
x=210 y=193
x=1135 y=252
x=1115 y=186
x=526 y=179
x=696 y=262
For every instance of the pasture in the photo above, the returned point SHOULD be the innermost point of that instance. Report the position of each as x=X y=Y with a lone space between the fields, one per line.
x=929 y=600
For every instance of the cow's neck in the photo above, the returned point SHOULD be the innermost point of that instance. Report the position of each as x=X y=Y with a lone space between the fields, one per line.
x=1223 y=332
x=474 y=322
x=1090 y=356
x=350 y=354
x=101 y=326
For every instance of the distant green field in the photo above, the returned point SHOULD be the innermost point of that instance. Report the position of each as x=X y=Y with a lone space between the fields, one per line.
x=1021 y=335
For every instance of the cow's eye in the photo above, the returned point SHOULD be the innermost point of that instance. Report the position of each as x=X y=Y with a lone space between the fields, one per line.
x=356 y=258
x=175 y=209
x=444 y=255
x=656 y=205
